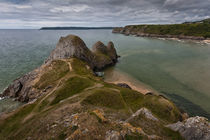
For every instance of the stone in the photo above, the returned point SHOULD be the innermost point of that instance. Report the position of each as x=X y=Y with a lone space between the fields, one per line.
x=20 y=89
x=71 y=46
x=143 y=111
x=113 y=135
x=124 y=85
x=112 y=51
x=194 y=128
x=99 y=47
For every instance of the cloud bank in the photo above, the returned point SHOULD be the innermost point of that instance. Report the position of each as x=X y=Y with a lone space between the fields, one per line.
x=39 y=13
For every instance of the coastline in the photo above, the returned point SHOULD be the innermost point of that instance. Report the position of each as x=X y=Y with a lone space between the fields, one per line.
x=127 y=32
x=115 y=76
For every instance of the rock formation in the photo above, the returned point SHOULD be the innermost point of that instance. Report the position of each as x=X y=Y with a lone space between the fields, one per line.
x=71 y=46
x=194 y=128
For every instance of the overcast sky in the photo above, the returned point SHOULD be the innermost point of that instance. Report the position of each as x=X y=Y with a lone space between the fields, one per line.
x=39 y=13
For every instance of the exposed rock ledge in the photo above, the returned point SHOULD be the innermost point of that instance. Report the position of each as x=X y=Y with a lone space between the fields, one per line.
x=194 y=128
x=68 y=47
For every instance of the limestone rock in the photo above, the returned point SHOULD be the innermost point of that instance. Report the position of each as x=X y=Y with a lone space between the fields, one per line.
x=113 y=135
x=143 y=111
x=99 y=47
x=71 y=46
x=21 y=88
x=112 y=51
x=194 y=128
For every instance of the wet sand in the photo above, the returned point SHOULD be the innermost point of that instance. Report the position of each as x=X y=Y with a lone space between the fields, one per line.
x=115 y=76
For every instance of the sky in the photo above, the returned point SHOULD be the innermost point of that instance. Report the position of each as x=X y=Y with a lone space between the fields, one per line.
x=16 y=14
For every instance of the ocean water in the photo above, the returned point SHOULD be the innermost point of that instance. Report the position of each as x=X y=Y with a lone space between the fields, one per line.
x=179 y=70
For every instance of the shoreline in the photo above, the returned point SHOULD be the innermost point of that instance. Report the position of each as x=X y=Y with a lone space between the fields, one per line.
x=115 y=76
x=167 y=37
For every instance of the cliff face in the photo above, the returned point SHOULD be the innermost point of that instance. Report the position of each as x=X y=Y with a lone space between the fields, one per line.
x=70 y=102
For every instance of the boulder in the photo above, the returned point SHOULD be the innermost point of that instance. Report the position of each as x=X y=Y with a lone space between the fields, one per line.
x=124 y=85
x=194 y=128
x=143 y=111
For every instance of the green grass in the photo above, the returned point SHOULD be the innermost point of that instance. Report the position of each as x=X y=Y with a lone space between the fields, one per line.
x=106 y=98
x=172 y=134
x=80 y=67
x=13 y=123
x=132 y=98
x=43 y=104
x=151 y=127
x=71 y=87
x=62 y=136
x=56 y=70
x=133 y=137
x=160 y=107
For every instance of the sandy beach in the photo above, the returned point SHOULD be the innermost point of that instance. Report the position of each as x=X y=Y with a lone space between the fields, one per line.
x=115 y=76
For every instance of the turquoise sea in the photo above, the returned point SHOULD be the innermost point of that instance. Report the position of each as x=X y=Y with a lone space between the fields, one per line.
x=179 y=70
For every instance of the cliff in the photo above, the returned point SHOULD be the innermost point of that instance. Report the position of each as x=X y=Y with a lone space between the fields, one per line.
x=192 y=31
x=67 y=101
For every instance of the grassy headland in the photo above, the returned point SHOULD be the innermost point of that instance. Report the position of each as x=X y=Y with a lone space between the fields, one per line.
x=188 y=30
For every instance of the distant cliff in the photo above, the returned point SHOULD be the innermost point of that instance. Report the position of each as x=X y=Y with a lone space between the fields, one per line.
x=74 y=28
x=190 y=30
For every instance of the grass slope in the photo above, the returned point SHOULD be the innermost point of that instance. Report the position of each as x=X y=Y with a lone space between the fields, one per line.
x=50 y=115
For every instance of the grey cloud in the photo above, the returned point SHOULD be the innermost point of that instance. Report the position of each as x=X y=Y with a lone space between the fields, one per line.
x=37 y=13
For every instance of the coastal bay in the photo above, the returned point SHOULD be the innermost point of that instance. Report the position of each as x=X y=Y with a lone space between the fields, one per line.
x=168 y=66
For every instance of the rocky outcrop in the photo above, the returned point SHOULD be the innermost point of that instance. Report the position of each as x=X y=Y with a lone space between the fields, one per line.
x=104 y=55
x=194 y=128
x=124 y=85
x=143 y=111
x=73 y=46
x=23 y=89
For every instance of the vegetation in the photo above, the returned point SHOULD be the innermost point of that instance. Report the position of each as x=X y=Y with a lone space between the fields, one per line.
x=72 y=86
x=80 y=67
x=55 y=71
x=54 y=116
x=106 y=98
x=186 y=29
